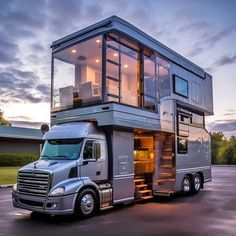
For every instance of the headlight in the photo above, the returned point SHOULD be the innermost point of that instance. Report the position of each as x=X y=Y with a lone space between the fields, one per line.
x=14 y=188
x=58 y=191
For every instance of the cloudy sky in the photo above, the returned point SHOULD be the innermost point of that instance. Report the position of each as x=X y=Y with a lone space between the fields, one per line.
x=203 y=31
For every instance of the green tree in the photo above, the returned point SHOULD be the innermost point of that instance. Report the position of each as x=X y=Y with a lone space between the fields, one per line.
x=218 y=143
x=3 y=121
x=229 y=154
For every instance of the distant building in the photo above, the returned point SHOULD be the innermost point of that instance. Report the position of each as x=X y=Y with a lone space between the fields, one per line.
x=20 y=140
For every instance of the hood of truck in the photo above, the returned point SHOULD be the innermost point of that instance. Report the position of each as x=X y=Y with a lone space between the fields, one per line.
x=59 y=169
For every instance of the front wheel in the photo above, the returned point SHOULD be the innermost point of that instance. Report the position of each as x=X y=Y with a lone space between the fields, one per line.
x=186 y=185
x=196 y=183
x=86 y=203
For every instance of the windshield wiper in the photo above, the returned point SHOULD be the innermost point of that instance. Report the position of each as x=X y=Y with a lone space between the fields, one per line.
x=45 y=157
x=63 y=156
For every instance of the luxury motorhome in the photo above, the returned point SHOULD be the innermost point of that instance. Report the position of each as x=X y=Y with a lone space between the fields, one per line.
x=127 y=124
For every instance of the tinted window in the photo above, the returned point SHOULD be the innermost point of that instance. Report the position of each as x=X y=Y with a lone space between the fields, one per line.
x=61 y=149
x=92 y=150
x=197 y=120
x=182 y=145
x=180 y=86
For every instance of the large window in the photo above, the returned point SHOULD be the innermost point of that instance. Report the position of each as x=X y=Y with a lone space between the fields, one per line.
x=121 y=73
x=61 y=149
x=133 y=75
x=77 y=76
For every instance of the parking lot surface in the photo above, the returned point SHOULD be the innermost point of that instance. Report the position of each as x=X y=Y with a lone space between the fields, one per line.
x=210 y=212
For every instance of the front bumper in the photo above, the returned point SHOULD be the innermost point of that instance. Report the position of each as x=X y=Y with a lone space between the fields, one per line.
x=50 y=205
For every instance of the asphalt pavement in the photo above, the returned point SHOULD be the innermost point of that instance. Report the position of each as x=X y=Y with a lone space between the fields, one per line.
x=210 y=212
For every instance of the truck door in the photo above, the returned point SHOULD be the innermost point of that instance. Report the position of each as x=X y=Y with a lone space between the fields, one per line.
x=94 y=160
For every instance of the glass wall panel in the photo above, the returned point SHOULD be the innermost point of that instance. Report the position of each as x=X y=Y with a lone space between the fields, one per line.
x=122 y=66
x=149 y=83
x=77 y=76
x=129 y=76
x=112 y=71
x=156 y=80
x=163 y=82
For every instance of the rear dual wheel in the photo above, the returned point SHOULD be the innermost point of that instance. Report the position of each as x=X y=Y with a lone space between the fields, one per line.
x=191 y=185
x=186 y=185
x=196 y=185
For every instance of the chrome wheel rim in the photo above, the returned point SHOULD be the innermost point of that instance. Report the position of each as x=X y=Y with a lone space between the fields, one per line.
x=186 y=185
x=87 y=204
x=197 y=183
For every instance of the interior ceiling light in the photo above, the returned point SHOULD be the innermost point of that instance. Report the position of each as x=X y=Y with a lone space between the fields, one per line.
x=126 y=66
x=115 y=54
x=97 y=61
x=73 y=51
x=98 y=41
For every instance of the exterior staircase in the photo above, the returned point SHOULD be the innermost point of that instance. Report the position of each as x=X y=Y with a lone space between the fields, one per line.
x=166 y=168
x=142 y=191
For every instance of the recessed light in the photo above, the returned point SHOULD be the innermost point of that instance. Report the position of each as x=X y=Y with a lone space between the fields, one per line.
x=98 y=41
x=126 y=66
x=97 y=61
x=73 y=51
x=115 y=54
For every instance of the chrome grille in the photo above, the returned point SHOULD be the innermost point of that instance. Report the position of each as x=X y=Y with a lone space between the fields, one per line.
x=33 y=183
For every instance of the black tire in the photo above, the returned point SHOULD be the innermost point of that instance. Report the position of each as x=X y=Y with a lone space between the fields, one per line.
x=86 y=203
x=186 y=185
x=196 y=185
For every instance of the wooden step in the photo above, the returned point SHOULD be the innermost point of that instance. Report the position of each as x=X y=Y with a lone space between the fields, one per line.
x=146 y=197
x=165 y=166
x=138 y=187
x=165 y=175
x=145 y=191
x=165 y=180
x=138 y=180
x=167 y=149
x=169 y=158
x=163 y=192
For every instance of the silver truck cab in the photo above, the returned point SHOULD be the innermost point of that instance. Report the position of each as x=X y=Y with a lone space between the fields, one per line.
x=73 y=160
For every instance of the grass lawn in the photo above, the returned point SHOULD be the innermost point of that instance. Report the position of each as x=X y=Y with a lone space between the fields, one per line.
x=8 y=174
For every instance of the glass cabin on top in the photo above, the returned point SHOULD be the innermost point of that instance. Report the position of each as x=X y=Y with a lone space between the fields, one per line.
x=109 y=68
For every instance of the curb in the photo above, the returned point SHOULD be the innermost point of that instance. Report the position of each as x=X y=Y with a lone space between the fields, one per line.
x=6 y=186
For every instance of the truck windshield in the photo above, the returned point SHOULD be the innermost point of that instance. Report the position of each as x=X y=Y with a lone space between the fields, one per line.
x=61 y=149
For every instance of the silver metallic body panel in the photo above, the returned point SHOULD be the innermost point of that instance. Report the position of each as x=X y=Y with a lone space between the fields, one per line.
x=123 y=169
x=200 y=93
x=198 y=158
x=110 y=114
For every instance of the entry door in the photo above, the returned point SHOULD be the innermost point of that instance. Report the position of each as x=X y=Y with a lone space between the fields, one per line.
x=94 y=163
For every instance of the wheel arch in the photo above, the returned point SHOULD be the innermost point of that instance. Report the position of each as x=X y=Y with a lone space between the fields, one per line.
x=92 y=186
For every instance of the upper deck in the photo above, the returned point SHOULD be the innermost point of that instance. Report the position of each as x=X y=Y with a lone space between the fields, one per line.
x=114 y=62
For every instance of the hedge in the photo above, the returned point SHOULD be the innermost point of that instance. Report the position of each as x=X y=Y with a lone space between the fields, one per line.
x=13 y=159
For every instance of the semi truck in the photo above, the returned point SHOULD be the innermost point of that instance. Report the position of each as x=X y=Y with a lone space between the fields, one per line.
x=127 y=124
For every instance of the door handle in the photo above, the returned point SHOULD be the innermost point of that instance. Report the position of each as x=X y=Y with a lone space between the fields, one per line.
x=98 y=173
